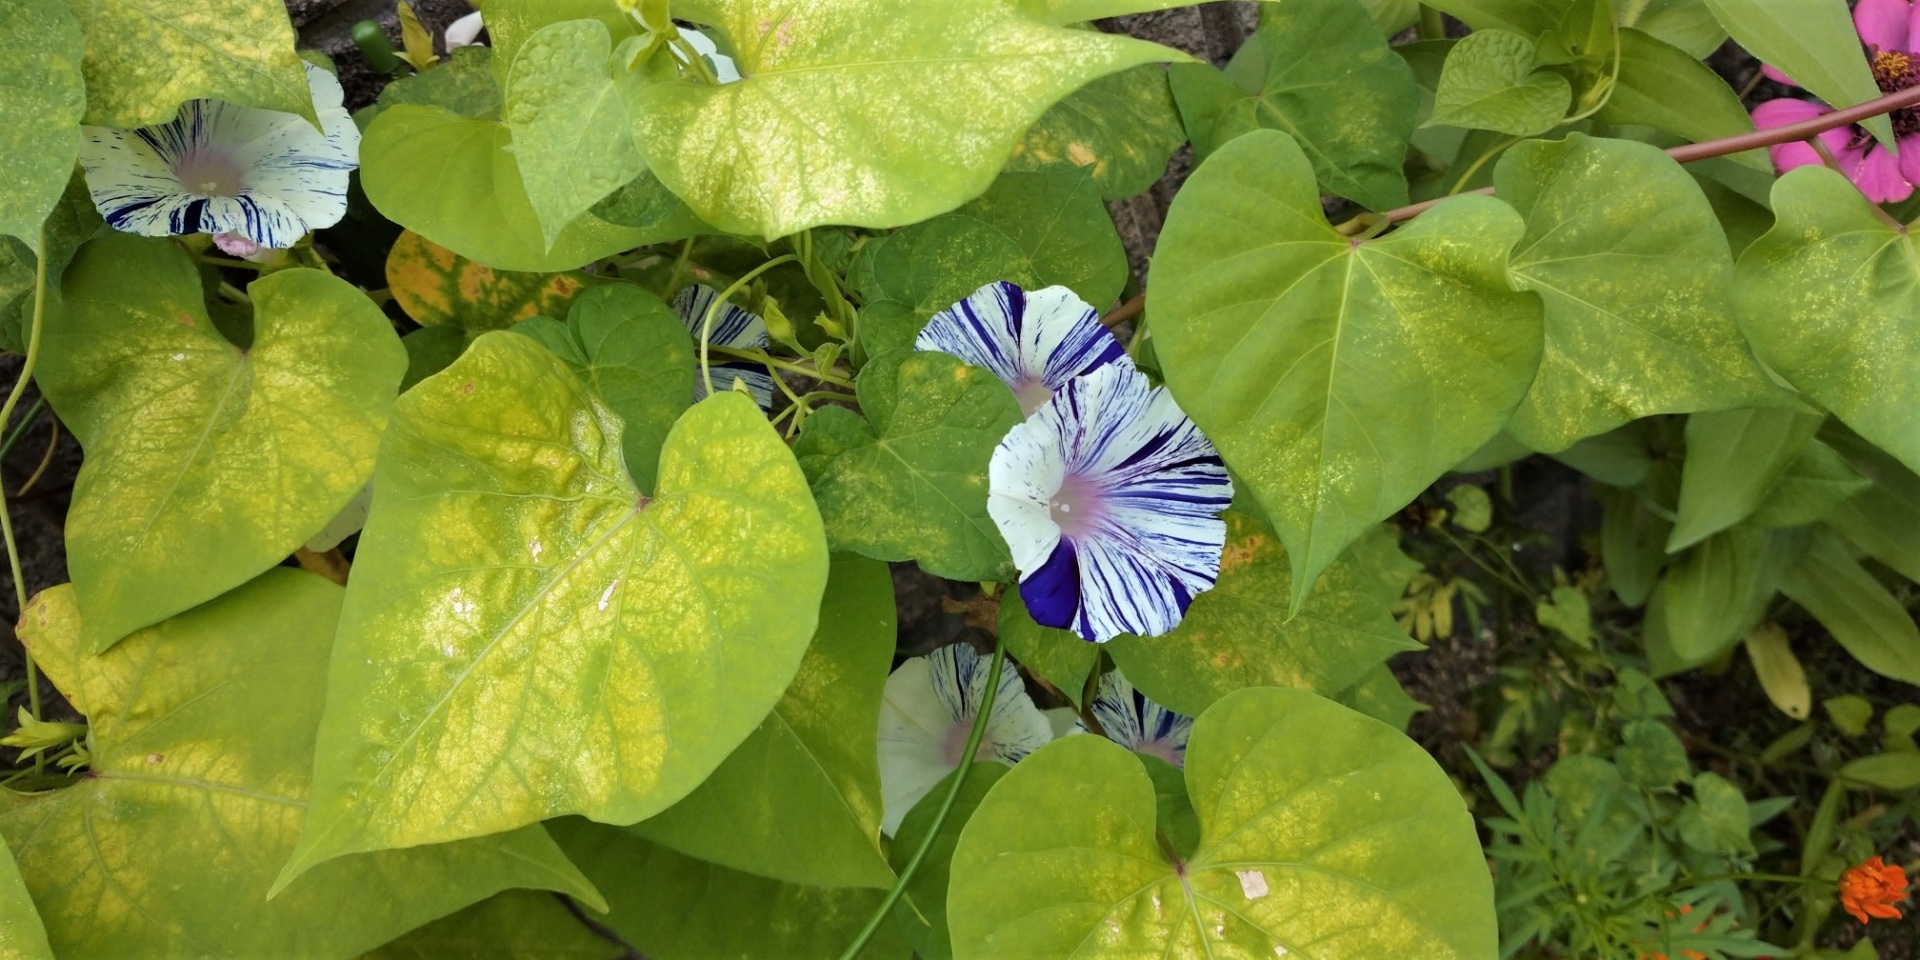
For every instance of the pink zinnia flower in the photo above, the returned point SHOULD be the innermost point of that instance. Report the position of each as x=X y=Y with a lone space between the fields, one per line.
x=1889 y=31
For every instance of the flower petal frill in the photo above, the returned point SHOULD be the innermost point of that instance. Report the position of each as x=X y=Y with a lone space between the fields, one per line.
x=927 y=713
x=1034 y=342
x=1109 y=498
x=732 y=327
x=258 y=176
x=1137 y=723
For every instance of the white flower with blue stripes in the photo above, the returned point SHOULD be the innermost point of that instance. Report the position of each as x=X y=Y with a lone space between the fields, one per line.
x=732 y=327
x=1109 y=498
x=252 y=178
x=1034 y=342
x=1131 y=720
x=927 y=714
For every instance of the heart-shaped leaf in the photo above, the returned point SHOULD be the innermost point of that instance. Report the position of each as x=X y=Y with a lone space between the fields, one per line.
x=1489 y=83
x=201 y=745
x=436 y=286
x=1627 y=254
x=1239 y=633
x=1337 y=378
x=799 y=801
x=1329 y=80
x=41 y=101
x=1123 y=126
x=567 y=105
x=1322 y=833
x=873 y=113
x=206 y=463
x=910 y=481
x=568 y=643
x=1829 y=278
x=454 y=180
x=144 y=59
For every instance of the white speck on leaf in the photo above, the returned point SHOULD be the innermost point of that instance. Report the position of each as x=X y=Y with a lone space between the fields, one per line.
x=1253 y=883
x=608 y=594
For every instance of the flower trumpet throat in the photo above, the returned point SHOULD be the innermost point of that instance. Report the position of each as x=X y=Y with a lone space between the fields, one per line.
x=1873 y=890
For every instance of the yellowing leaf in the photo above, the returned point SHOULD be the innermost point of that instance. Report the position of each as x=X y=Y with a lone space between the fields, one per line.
x=436 y=286
x=146 y=57
x=41 y=101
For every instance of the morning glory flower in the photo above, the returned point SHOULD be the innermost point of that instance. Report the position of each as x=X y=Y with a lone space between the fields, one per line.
x=927 y=713
x=465 y=32
x=732 y=327
x=252 y=178
x=1034 y=342
x=1139 y=724
x=1108 y=497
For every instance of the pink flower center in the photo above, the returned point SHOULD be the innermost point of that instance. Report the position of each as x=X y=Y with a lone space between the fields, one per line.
x=955 y=744
x=1076 y=506
x=1032 y=393
x=210 y=173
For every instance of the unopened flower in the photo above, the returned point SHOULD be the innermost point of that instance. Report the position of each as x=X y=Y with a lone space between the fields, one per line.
x=1890 y=33
x=927 y=714
x=732 y=327
x=1873 y=890
x=1034 y=342
x=464 y=32
x=253 y=178
x=1109 y=499
x=1137 y=723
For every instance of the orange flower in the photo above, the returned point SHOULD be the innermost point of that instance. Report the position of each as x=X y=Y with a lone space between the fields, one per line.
x=1870 y=890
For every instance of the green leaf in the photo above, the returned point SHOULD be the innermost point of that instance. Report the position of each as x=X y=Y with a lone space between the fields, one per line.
x=673 y=907
x=1733 y=459
x=515 y=925
x=145 y=58
x=1830 y=278
x=454 y=180
x=1035 y=229
x=202 y=740
x=1332 y=83
x=1057 y=656
x=1173 y=811
x=635 y=354
x=1717 y=820
x=1686 y=24
x=567 y=102
x=436 y=286
x=22 y=936
x=1239 y=634
x=1337 y=379
x=589 y=647
x=1878 y=519
x=1650 y=756
x=1666 y=88
x=910 y=481
x=430 y=350
x=1124 y=126
x=462 y=84
x=1850 y=714
x=72 y=222
x=511 y=23
x=1898 y=772
x=1627 y=254
x=1472 y=508
x=1392 y=16
x=871 y=113
x=1719 y=588
x=799 y=800
x=1812 y=488
x=1633 y=544
x=1378 y=694
x=1856 y=609
x=1812 y=41
x=1321 y=832
x=1489 y=84
x=41 y=101
x=206 y=464
x=1527 y=17
x=921 y=911
x=1567 y=612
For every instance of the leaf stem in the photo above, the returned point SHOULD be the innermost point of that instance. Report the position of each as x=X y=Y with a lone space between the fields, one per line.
x=706 y=322
x=1690 y=152
x=6 y=510
x=1134 y=306
x=981 y=713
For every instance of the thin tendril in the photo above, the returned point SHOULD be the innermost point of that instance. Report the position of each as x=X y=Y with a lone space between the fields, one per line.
x=713 y=309
x=974 y=736
x=6 y=510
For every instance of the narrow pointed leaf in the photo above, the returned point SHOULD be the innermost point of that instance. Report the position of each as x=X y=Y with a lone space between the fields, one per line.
x=202 y=744
x=570 y=643
x=206 y=464
x=1860 y=613
x=1812 y=41
x=1733 y=459
x=1322 y=833
x=1337 y=379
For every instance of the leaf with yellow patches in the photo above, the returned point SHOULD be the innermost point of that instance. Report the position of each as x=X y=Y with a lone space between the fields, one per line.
x=436 y=286
x=41 y=101
x=527 y=634
x=1322 y=833
x=146 y=57
x=206 y=463
x=1123 y=126
x=202 y=745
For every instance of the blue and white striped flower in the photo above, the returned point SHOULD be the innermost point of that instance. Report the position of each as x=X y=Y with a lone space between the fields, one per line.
x=732 y=327
x=1132 y=721
x=927 y=714
x=250 y=177
x=1108 y=497
x=1034 y=342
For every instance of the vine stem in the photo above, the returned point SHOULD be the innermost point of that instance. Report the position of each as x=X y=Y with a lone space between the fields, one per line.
x=6 y=509
x=981 y=713
x=1691 y=152
x=706 y=322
